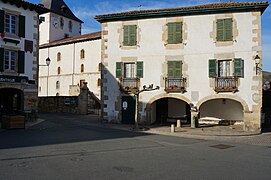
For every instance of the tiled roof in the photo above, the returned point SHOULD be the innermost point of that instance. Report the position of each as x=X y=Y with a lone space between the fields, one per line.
x=38 y=8
x=75 y=39
x=189 y=10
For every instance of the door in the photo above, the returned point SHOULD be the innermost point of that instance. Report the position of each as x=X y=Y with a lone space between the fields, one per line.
x=128 y=109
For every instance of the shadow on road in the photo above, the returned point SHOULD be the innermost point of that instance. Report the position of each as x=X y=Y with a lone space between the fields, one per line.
x=62 y=128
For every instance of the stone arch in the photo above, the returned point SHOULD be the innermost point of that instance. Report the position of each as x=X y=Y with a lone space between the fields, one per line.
x=224 y=96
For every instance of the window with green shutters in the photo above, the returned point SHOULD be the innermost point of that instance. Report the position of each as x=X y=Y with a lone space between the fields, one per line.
x=238 y=67
x=175 y=33
x=130 y=35
x=212 y=68
x=224 y=30
x=139 y=69
x=174 y=69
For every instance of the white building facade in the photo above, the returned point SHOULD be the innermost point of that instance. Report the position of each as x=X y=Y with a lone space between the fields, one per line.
x=201 y=57
x=19 y=22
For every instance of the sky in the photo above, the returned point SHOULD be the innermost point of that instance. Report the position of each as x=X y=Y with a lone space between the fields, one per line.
x=87 y=9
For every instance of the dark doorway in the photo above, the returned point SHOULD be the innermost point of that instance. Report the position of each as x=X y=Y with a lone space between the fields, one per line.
x=11 y=101
x=128 y=109
x=162 y=110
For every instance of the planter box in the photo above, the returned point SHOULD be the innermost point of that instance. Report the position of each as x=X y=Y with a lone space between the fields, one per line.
x=13 y=122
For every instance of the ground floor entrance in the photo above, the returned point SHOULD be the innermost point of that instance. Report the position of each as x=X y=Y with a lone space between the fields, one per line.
x=128 y=104
x=11 y=101
x=169 y=110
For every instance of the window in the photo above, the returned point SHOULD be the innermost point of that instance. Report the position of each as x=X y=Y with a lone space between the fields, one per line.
x=224 y=30
x=82 y=54
x=129 y=70
x=57 y=85
x=82 y=68
x=70 y=26
x=174 y=69
x=12 y=24
x=130 y=35
x=58 y=70
x=58 y=56
x=99 y=82
x=82 y=81
x=12 y=61
x=226 y=68
x=175 y=32
x=61 y=23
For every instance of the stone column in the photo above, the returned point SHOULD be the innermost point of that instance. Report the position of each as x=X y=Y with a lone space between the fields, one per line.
x=194 y=118
x=83 y=100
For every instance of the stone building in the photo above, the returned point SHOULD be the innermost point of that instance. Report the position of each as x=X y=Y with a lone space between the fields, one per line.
x=19 y=28
x=202 y=58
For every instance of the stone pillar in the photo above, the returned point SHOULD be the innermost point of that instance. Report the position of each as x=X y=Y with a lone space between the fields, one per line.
x=194 y=118
x=83 y=100
x=178 y=123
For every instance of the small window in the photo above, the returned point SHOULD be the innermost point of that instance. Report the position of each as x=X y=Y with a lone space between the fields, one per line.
x=61 y=23
x=82 y=81
x=224 y=30
x=58 y=70
x=82 y=68
x=10 y=23
x=57 y=94
x=70 y=26
x=58 y=56
x=130 y=35
x=82 y=54
x=57 y=85
x=99 y=82
x=175 y=32
x=100 y=67
x=10 y=60
x=66 y=36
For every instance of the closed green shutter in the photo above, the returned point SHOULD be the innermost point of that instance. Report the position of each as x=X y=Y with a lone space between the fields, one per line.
x=212 y=68
x=2 y=20
x=21 y=61
x=224 y=30
x=21 y=26
x=175 y=33
x=139 y=69
x=228 y=29
x=171 y=37
x=174 y=69
x=178 y=32
x=238 y=67
x=220 y=29
x=2 y=59
x=118 y=69
x=132 y=35
x=125 y=35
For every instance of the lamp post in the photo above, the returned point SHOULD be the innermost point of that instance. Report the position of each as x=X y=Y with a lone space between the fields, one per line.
x=257 y=62
x=48 y=61
x=136 y=94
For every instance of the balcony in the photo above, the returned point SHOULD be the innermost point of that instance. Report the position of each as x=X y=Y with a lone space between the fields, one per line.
x=226 y=84
x=129 y=84
x=175 y=85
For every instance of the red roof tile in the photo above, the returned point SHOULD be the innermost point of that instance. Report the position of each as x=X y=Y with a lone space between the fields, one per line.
x=75 y=39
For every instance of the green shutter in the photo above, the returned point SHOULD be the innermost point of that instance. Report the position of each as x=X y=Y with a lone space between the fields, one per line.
x=170 y=69
x=228 y=29
x=2 y=20
x=178 y=69
x=125 y=35
x=21 y=61
x=118 y=69
x=238 y=67
x=2 y=59
x=171 y=37
x=21 y=26
x=220 y=30
x=178 y=35
x=139 y=69
x=212 y=68
x=132 y=35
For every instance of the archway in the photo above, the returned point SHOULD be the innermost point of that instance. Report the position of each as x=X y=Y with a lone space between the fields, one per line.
x=222 y=109
x=168 y=109
x=11 y=101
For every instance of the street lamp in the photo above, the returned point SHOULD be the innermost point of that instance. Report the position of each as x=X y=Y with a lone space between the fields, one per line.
x=48 y=61
x=257 y=62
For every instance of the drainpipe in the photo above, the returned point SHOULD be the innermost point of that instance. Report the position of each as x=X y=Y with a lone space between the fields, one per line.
x=73 y=66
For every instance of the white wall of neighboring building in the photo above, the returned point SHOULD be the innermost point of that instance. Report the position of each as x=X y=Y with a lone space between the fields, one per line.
x=70 y=65
x=199 y=47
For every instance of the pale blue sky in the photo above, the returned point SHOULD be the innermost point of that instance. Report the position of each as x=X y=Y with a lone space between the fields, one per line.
x=87 y=9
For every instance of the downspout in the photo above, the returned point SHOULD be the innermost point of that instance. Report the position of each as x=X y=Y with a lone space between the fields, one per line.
x=73 y=68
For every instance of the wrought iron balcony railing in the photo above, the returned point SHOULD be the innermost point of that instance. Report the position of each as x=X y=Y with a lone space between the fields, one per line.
x=175 y=85
x=129 y=84
x=226 y=84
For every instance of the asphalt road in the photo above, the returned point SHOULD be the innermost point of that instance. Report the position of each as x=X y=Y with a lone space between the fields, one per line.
x=74 y=147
